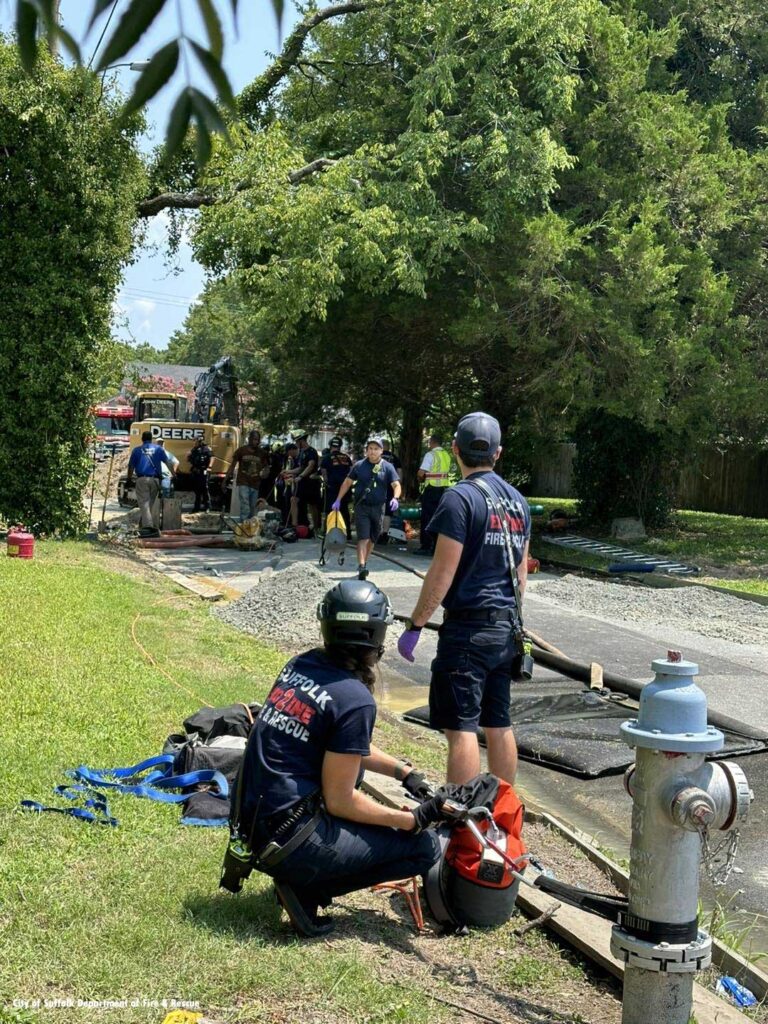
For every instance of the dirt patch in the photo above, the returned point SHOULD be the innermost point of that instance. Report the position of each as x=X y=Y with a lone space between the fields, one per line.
x=530 y=979
x=210 y=522
x=566 y=862
x=733 y=572
x=101 y=476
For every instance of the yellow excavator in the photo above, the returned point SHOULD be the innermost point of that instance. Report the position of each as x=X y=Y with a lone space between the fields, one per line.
x=214 y=416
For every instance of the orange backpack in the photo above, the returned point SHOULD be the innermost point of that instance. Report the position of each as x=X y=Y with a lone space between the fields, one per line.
x=483 y=866
x=470 y=884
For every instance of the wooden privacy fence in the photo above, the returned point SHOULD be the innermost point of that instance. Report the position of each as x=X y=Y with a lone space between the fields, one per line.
x=734 y=481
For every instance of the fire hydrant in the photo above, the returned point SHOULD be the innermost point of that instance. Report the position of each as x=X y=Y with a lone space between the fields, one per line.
x=679 y=798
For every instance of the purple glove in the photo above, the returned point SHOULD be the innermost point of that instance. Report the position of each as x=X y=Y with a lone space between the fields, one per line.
x=336 y=506
x=394 y=505
x=407 y=643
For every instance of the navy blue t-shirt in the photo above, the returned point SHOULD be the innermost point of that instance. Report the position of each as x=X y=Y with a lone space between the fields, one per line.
x=313 y=707
x=372 y=481
x=146 y=459
x=307 y=455
x=337 y=466
x=482 y=579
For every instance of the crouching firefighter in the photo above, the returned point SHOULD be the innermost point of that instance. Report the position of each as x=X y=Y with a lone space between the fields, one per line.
x=297 y=812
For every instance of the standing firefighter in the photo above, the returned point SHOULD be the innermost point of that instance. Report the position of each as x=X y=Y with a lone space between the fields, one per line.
x=479 y=647
x=435 y=473
x=371 y=478
x=146 y=462
x=307 y=484
x=334 y=469
x=249 y=460
x=199 y=459
x=297 y=813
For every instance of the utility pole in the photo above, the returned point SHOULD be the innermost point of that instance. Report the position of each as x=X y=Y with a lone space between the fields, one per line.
x=679 y=799
x=53 y=39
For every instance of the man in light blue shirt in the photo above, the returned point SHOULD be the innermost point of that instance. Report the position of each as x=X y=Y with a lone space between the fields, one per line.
x=146 y=462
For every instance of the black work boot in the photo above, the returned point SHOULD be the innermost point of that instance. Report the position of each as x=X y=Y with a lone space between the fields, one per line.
x=362 y=572
x=303 y=918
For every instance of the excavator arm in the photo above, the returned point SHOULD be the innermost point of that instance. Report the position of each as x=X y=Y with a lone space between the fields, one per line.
x=216 y=394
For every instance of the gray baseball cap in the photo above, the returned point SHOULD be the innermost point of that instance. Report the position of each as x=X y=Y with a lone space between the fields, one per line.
x=478 y=434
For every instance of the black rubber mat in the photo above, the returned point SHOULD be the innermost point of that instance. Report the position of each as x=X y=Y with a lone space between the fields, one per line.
x=577 y=731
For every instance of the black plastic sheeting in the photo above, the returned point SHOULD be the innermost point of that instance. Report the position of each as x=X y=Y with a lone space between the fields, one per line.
x=577 y=731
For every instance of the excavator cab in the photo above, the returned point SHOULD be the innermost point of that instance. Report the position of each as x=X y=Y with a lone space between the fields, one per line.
x=156 y=405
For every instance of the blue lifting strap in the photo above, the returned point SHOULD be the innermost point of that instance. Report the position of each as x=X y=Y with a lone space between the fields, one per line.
x=94 y=806
x=151 y=787
x=154 y=779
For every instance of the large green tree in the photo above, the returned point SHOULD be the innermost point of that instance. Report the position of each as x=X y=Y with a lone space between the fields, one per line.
x=634 y=290
x=548 y=178
x=70 y=178
x=417 y=130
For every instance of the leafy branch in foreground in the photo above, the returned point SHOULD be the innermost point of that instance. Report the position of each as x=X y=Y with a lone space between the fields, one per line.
x=40 y=18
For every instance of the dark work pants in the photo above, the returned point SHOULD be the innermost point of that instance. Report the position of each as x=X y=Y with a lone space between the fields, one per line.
x=200 y=487
x=343 y=856
x=471 y=675
x=308 y=492
x=430 y=499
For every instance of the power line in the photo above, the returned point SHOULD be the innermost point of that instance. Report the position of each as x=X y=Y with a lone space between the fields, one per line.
x=103 y=32
x=162 y=294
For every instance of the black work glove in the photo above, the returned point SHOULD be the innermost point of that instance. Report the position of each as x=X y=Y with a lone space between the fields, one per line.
x=415 y=784
x=429 y=812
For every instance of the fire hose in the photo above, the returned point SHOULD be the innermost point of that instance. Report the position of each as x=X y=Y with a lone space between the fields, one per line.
x=550 y=656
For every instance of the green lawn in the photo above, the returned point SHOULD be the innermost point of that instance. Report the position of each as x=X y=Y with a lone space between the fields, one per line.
x=735 y=548
x=90 y=912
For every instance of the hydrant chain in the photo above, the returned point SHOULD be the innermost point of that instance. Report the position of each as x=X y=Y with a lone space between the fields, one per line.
x=719 y=873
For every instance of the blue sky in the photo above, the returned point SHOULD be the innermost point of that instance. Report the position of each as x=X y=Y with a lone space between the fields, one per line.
x=154 y=298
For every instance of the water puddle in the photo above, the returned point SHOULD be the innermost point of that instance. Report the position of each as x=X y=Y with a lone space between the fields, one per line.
x=397 y=694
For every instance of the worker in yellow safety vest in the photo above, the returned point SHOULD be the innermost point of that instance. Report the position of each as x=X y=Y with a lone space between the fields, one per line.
x=435 y=473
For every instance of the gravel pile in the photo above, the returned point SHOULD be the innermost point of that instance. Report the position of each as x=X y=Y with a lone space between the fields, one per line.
x=282 y=608
x=690 y=608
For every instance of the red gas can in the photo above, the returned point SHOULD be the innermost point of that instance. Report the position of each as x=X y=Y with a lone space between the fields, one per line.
x=20 y=543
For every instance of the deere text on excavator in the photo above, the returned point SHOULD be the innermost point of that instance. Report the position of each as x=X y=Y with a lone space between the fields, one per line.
x=214 y=416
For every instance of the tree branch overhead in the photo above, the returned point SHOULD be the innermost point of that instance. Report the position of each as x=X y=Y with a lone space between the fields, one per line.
x=258 y=91
x=194 y=200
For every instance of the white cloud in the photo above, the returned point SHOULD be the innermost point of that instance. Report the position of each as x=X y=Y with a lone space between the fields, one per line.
x=145 y=306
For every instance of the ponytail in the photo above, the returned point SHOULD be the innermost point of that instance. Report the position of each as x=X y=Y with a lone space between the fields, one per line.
x=360 y=661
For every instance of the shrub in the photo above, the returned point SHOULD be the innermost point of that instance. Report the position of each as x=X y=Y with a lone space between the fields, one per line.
x=70 y=178
x=623 y=469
